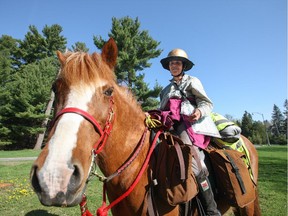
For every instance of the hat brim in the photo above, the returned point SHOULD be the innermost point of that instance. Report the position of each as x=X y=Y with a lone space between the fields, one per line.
x=165 y=62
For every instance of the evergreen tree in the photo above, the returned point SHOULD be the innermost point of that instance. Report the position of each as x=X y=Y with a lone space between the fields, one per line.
x=80 y=47
x=32 y=48
x=31 y=89
x=27 y=70
x=285 y=113
x=8 y=46
x=35 y=47
x=286 y=109
x=277 y=121
x=8 y=49
x=247 y=125
x=8 y=67
x=259 y=133
x=53 y=39
x=136 y=48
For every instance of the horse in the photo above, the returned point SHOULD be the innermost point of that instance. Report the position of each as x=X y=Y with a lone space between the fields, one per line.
x=97 y=119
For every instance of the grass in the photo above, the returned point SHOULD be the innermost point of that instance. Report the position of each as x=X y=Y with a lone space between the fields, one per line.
x=273 y=180
x=17 y=198
x=22 y=153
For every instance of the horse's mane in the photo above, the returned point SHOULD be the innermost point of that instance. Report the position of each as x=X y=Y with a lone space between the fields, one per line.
x=130 y=98
x=85 y=68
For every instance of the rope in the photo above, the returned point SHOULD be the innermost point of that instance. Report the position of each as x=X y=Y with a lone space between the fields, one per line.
x=84 y=208
x=152 y=123
x=103 y=210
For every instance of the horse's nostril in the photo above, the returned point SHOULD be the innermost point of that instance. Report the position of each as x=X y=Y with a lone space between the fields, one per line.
x=76 y=172
x=35 y=180
x=75 y=179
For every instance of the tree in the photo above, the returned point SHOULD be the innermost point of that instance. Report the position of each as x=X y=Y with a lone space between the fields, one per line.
x=136 y=48
x=53 y=39
x=247 y=125
x=27 y=71
x=231 y=118
x=8 y=67
x=25 y=113
x=279 y=125
x=286 y=109
x=80 y=47
x=277 y=121
x=35 y=47
x=258 y=133
x=8 y=48
x=285 y=118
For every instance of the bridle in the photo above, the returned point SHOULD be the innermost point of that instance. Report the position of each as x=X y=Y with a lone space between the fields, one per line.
x=98 y=147
x=104 y=133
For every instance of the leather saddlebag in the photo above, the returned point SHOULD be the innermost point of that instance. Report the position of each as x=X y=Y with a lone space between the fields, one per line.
x=232 y=177
x=176 y=182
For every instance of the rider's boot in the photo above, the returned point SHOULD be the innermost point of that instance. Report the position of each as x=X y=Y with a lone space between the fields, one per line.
x=206 y=196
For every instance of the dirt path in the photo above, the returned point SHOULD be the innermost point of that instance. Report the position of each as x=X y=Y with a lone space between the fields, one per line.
x=17 y=159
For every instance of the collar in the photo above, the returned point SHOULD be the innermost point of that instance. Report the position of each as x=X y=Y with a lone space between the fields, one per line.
x=184 y=79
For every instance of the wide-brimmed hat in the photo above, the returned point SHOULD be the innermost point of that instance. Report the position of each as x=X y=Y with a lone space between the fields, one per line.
x=177 y=54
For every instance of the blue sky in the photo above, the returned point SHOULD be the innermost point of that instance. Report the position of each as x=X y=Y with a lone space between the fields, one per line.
x=239 y=48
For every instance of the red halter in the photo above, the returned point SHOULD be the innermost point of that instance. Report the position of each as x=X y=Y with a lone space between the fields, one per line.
x=98 y=146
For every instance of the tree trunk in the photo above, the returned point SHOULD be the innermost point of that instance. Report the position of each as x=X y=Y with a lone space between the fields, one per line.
x=40 y=137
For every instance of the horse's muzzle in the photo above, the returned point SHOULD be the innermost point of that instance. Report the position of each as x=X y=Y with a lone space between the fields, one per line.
x=65 y=189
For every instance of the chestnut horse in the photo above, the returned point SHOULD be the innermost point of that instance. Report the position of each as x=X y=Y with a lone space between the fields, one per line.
x=98 y=117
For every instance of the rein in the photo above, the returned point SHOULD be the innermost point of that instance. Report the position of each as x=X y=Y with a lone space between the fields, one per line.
x=103 y=210
x=97 y=148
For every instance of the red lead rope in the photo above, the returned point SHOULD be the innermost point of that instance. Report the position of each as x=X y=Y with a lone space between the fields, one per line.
x=103 y=210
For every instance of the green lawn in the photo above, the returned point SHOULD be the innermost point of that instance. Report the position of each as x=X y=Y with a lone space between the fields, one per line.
x=273 y=180
x=17 y=198
x=22 y=153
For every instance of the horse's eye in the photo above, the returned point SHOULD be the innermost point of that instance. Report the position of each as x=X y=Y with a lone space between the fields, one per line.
x=109 y=91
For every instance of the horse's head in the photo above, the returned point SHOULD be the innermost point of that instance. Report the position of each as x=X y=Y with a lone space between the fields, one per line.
x=84 y=103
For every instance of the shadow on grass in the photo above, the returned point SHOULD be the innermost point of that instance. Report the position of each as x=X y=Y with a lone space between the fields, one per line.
x=39 y=212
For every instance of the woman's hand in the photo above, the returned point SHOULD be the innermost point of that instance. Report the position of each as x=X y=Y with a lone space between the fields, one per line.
x=196 y=115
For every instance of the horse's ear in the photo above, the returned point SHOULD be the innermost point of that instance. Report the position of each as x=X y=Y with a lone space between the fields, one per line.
x=109 y=53
x=61 y=57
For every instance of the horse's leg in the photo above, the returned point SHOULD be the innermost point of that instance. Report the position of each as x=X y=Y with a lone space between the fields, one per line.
x=247 y=210
x=257 y=210
x=253 y=209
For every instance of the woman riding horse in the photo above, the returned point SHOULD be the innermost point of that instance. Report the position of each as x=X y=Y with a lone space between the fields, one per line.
x=97 y=119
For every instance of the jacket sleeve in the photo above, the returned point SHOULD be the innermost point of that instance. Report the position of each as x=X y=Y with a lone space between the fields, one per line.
x=204 y=104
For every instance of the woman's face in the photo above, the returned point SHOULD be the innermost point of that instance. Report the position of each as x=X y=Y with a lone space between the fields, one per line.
x=175 y=67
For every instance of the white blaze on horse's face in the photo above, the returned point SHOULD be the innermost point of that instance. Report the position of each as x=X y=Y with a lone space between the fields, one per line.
x=58 y=169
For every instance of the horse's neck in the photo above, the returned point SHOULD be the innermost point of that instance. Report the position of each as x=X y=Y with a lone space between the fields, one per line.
x=123 y=140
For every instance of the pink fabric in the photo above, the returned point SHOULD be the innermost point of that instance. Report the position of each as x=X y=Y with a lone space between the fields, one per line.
x=174 y=107
x=199 y=140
